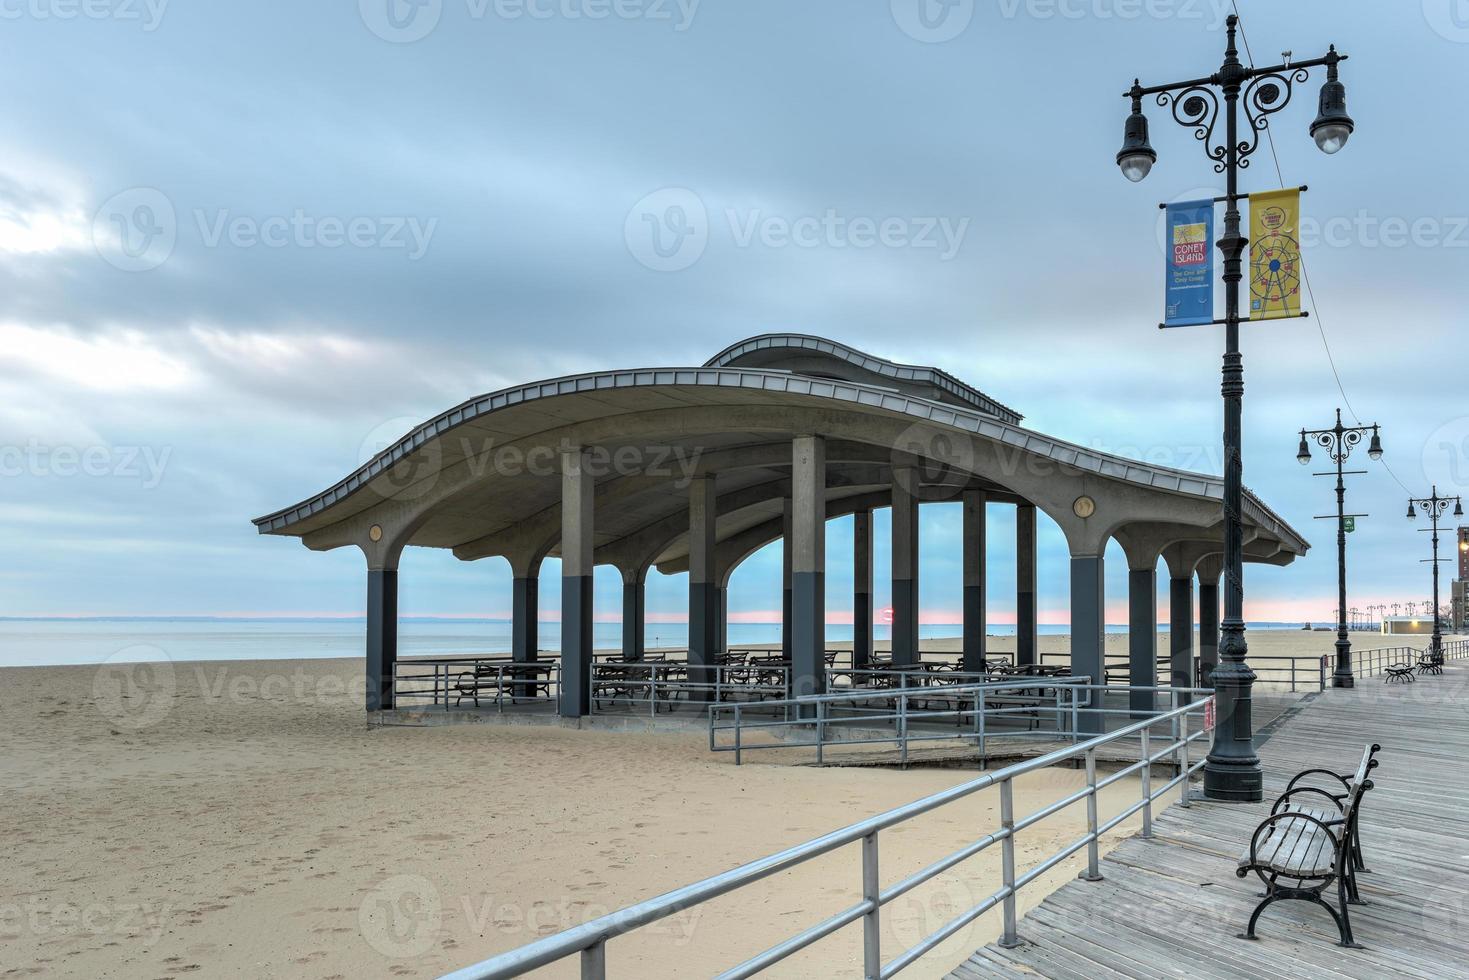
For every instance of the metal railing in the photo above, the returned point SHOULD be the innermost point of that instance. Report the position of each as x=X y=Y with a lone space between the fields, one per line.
x=902 y=716
x=1370 y=663
x=589 y=940
x=450 y=681
x=651 y=686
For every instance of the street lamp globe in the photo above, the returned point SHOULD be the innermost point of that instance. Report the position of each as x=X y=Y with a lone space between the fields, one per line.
x=1332 y=125
x=1303 y=453
x=1458 y=507
x=1374 y=448
x=1137 y=155
x=1411 y=512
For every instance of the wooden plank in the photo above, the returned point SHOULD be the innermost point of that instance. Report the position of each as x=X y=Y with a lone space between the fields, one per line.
x=1172 y=906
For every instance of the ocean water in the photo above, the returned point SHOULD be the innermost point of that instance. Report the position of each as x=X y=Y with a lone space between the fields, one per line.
x=48 y=642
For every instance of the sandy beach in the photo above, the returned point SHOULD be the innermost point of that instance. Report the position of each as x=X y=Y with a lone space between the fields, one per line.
x=254 y=825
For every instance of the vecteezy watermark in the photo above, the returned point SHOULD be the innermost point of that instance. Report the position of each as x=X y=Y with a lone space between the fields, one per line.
x=134 y=688
x=1210 y=13
x=932 y=21
x=143 y=463
x=669 y=229
x=406 y=21
x=137 y=230
x=1449 y=19
x=148 y=14
x=416 y=472
x=38 y=917
x=402 y=916
x=1445 y=456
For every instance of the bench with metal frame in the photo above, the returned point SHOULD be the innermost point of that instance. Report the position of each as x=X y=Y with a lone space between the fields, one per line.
x=1429 y=664
x=1398 y=673
x=1302 y=849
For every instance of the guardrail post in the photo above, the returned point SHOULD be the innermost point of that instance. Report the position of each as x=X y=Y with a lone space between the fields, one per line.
x=820 y=732
x=979 y=720
x=594 y=961
x=1183 y=792
x=1093 y=872
x=1293 y=675
x=903 y=729
x=737 y=732
x=1147 y=776
x=653 y=692
x=1008 y=938
x=872 y=921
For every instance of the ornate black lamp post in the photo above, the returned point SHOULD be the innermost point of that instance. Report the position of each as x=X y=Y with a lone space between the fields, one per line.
x=1232 y=771
x=1434 y=506
x=1338 y=442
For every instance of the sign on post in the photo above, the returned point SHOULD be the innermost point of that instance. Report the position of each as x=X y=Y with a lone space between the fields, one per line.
x=1350 y=523
x=1189 y=284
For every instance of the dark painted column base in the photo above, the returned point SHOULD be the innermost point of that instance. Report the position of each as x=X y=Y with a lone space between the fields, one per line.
x=1342 y=676
x=1208 y=632
x=905 y=622
x=1232 y=773
x=861 y=630
x=1142 y=640
x=1181 y=631
x=808 y=637
x=634 y=620
x=524 y=622
x=1087 y=658
x=703 y=624
x=576 y=646
x=974 y=629
x=382 y=637
x=1025 y=628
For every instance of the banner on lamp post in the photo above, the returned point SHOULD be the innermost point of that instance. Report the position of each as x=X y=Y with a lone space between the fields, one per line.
x=1275 y=254
x=1189 y=286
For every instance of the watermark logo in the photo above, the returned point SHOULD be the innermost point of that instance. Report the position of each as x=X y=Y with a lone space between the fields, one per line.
x=933 y=462
x=1445 y=456
x=145 y=464
x=401 y=917
x=135 y=230
x=668 y=230
x=146 y=13
x=135 y=687
x=413 y=475
x=932 y=21
x=401 y=21
x=920 y=913
x=1211 y=13
x=1449 y=19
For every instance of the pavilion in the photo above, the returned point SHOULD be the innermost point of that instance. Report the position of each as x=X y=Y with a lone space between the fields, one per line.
x=696 y=468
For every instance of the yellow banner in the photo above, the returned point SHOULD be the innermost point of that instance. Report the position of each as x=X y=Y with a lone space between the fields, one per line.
x=1275 y=254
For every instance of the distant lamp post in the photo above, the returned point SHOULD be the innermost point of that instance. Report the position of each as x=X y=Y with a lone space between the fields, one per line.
x=1232 y=771
x=1338 y=441
x=1434 y=506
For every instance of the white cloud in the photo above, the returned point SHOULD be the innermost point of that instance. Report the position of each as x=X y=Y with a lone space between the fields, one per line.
x=112 y=361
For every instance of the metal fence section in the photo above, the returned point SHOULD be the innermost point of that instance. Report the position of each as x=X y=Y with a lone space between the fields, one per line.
x=589 y=940
x=650 y=686
x=498 y=681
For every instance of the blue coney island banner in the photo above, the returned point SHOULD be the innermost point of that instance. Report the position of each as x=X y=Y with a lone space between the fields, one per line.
x=1189 y=287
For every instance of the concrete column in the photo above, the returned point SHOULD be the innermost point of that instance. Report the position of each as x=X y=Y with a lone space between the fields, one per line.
x=861 y=589
x=524 y=617
x=382 y=636
x=1209 y=571
x=634 y=612
x=703 y=583
x=1027 y=642
x=576 y=584
x=785 y=580
x=974 y=574
x=1088 y=605
x=808 y=565
x=1142 y=638
x=721 y=634
x=1181 y=630
x=905 y=566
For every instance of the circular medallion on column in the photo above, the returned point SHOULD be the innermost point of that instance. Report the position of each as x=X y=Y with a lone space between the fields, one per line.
x=1083 y=507
x=375 y=533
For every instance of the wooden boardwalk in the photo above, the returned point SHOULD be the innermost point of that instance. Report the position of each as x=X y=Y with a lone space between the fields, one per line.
x=1172 y=906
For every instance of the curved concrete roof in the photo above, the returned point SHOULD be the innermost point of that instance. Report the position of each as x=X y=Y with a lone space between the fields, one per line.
x=436 y=487
x=817 y=356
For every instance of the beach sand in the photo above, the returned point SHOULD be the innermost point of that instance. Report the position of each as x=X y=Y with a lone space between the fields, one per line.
x=252 y=824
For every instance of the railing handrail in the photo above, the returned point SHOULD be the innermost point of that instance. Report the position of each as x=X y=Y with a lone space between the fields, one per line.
x=886 y=693
x=589 y=935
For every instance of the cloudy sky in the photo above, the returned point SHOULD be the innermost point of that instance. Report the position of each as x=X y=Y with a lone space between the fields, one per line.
x=243 y=244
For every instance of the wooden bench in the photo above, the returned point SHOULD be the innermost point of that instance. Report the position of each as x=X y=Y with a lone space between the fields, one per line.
x=1305 y=846
x=1398 y=672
